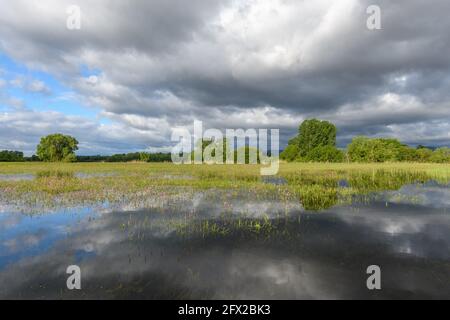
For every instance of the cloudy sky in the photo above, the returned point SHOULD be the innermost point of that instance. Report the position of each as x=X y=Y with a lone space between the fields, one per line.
x=138 y=69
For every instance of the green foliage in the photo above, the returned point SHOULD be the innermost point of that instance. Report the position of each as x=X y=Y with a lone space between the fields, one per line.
x=315 y=133
x=291 y=153
x=144 y=156
x=247 y=151
x=128 y=157
x=325 y=154
x=159 y=157
x=423 y=154
x=364 y=149
x=223 y=144
x=57 y=148
x=11 y=156
x=316 y=142
x=407 y=154
x=441 y=155
x=217 y=145
x=155 y=157
x=33 y=158
x=97 y=158
x=125 y=157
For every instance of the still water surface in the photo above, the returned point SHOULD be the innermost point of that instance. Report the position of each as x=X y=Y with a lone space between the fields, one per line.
x=245 y=249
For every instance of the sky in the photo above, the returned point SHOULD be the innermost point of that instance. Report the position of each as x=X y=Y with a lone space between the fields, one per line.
x=136 y=70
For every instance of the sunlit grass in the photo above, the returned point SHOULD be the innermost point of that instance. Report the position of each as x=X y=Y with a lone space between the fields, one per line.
x=316 y=186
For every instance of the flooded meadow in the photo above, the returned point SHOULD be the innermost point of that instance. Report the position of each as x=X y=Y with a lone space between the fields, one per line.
x=171 y=233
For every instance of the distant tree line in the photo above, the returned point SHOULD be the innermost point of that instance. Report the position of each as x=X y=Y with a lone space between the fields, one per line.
x=247 y=151
x=128 y=157
x=61 y=148
x=16 y=156
x=316 y=142
x=11 y=156
x=135 y=156
x=155 y=157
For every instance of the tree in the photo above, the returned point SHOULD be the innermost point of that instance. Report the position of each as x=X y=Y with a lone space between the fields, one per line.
x=424 y=154
x=144 y=156
x=315 y=136
x=11 y=156
x=315 y=133
x=124 y=157
x=155 y=157
x=406 y=153
x=204 y=143
x=247 y=151
x=364 y=149
x=441 y=155
x=290 y=153
x=57 y=147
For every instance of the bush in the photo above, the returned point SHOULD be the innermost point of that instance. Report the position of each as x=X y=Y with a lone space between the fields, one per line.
x=364 y=149
x=325 y=154
x=424 y=154
x=441 y=155
x=290 y=153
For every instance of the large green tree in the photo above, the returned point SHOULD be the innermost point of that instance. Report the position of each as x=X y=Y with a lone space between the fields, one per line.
x=57 y=147
x=314 y=133
x=316 y=141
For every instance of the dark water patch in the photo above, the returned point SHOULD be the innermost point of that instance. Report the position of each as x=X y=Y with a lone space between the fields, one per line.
x=54 y=174
x=16 y=177
x=87 y=175
x=205 y=248
x=274 y=180
x=343 y=184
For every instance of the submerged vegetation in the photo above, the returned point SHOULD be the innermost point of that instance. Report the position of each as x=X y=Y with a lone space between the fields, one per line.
x=314 y=186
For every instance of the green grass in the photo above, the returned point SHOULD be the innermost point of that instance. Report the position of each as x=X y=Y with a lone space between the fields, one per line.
x=316 y=186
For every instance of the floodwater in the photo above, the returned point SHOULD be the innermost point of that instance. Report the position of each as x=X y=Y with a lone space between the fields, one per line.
x=203 y=248
x=16 y=177
x=27 y=176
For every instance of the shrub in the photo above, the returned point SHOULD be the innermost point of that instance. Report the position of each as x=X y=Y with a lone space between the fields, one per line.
x=325 y=154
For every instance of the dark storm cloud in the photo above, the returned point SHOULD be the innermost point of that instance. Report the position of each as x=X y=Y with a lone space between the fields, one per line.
x=177 y=61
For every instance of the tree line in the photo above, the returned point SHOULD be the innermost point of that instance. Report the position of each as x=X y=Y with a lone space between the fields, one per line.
x=316 y=142
x=11 y=156
x=128 y=157
x=61 y=148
